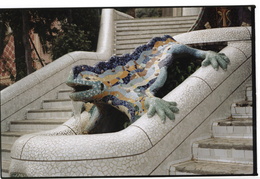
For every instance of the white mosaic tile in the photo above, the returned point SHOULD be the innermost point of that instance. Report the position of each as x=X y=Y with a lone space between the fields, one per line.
x=78 y=148
x=182 y=95
x=128 y=152
x=223 y=34
x=225 y=155
x=212 y=77
x=108 y=167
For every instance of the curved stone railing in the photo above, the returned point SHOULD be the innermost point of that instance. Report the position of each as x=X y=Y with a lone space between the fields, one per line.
x=44 y=83
x=148 y=146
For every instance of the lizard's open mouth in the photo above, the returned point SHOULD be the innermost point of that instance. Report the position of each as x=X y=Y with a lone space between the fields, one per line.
x=80 y=92
x=85 y=90
x=79 y=88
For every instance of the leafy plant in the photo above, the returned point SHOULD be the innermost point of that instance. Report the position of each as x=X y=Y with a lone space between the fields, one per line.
x=69 y=39
x=40 y=20
x=178 y=71
x=182 y=68
x=148 y=12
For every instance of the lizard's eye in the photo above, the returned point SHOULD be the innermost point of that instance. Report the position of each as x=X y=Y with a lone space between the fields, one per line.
x=87 y=78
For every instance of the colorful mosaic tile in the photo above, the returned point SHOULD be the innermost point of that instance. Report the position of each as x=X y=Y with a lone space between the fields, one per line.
x=129 y=82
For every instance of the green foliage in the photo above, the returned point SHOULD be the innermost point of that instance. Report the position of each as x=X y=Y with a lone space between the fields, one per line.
x=80 y=29
x=2 y=86
x=127 y=10
x=148 y=12
x=2 y=34
x=83 y=28
x=177 y=72
x=78 y=26
x=87 y=20
x=14 y=19
x=69 y=39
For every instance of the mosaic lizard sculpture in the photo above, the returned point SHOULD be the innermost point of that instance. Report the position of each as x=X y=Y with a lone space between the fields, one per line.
x=129 y=82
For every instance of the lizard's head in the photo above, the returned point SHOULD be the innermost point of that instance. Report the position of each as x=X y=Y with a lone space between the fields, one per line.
x=86 y=86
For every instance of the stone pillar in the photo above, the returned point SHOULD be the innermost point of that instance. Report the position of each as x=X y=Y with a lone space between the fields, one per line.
x=190 y=11
x=177 y=11
x=167 y=12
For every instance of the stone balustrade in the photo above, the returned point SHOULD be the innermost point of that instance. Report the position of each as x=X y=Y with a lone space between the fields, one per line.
x=148 y=146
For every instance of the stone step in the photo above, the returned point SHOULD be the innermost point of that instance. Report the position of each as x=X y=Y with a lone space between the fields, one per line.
x=61 y=113
x=36 y=124
x=244 y=103
x=64 y=94
x=224 y=150
x=127 y=41
x=5 y=166
x=56 y=104
x=162 y=31
x=153 y=27
x=249 y=93
x=10 y=137
x=130 y=47
x=6 y=147
x=210 y=168
x=133 y=43
x=242 y=109
x=233 y=128
x=144 y=38
x=144 y=24
x=139 y=41
x=147 y=20
x=4 y=174
x=6 y=151
x=133 y=33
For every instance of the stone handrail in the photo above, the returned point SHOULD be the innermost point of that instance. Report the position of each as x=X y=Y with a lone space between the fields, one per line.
x=148 y=146
x=44 y=83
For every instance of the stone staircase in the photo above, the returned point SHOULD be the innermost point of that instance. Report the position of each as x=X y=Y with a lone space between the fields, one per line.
x=131 y=33
x=53 y=113
x=229 y=151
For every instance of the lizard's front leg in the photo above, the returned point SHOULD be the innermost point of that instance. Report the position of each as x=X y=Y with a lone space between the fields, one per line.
x=157 y=105
x=161 y=107
x=216 y=60
x=209 y=57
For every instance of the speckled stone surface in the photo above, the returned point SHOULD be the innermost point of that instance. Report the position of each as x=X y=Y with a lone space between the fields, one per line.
x=146 y=147
x=220 y=35
x=213 y=168
x=224 y=143
x=120 y=144
x=192 y=88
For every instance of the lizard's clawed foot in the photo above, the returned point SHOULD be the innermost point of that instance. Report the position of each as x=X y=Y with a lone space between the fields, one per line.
x=161 y=107
x=216 y=60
